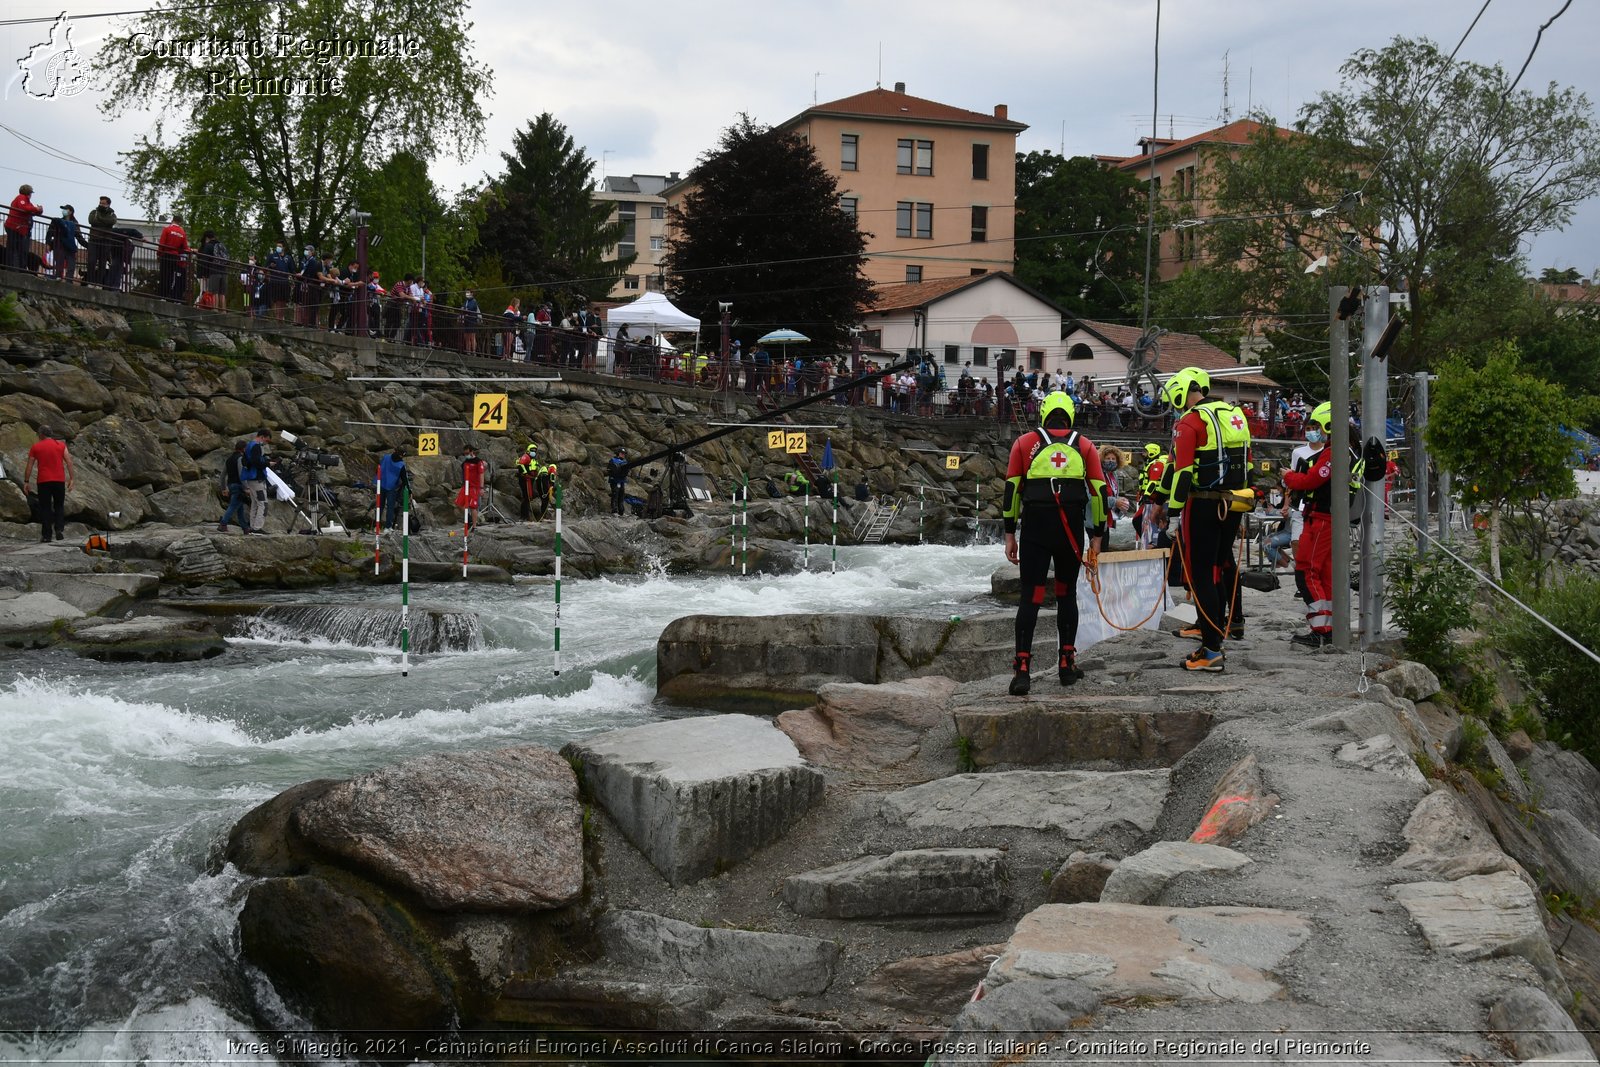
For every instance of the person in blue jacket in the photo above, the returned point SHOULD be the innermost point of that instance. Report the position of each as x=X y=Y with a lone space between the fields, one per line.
x=393 y=477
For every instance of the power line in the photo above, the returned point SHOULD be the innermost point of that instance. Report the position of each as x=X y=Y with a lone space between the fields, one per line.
x=1536 y=39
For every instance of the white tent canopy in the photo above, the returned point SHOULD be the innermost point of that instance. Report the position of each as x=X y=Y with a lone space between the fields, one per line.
x=653 y=310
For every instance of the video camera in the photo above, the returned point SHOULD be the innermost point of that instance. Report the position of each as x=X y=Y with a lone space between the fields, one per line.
x=307 y=457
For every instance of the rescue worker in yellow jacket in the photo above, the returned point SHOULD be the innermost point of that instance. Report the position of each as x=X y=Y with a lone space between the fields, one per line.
x=1211 y=458
x=527 y=468
x=1052 y=474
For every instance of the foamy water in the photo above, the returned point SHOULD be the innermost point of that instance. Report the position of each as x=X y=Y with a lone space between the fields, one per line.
x=118 y=783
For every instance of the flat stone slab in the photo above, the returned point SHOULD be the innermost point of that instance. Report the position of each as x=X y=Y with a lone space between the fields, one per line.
x=871 y=728
x=1382 y=755
x=695 y=795
x=1083 y=806
x=1482 y=916
x=32 y=620
x=150 y=638
x=1448 y=843
x=748 y=961
x=1141 y=878
x=1193 y=955
x=924 y=881
x=94 y=594
x=1128 y=730
x=467 y=831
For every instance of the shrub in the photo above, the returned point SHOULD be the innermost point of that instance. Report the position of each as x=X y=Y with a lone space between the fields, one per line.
x=1430 y=596
x=1566 y=680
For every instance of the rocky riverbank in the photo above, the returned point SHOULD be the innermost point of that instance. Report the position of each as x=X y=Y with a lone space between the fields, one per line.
x=1140 y=857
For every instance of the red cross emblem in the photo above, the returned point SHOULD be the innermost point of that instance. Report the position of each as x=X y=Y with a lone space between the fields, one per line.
x=1059 y=460
x=1238 y=423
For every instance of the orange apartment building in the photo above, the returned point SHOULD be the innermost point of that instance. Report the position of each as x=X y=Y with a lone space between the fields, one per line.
x=933 y=186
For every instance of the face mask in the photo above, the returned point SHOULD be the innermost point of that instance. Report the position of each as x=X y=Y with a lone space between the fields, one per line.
x=1314 y=437
x=278 y=249
x=1110 y=465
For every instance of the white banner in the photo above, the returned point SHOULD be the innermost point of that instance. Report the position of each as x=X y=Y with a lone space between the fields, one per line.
x=1133 y=595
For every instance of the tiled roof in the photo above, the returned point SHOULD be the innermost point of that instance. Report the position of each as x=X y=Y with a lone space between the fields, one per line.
x=1239 y=132
x=1178 y=350
x=915 y=294
x=887 y=104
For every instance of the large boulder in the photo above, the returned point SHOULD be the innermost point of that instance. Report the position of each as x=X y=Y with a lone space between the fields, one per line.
x=1238 y=801
x=1144 y=876
x=1077 y=728
x=1536 y=1027
x=1565 y=779
x=470 y=831
x=696 y=795
x=1410 y=680
x=126 y=451
x=151 y=639
x=33 y=620
x=1382 y=755
x=99 y=502
x=193 y=503
x=1448 y=843
x=930 y=986
x=69 y=388
x=775 y=966
x=1191 y=955
x=231 y=418
x=1082 y=878
x=897 y=729
x=1483 y=916
x=924 y=881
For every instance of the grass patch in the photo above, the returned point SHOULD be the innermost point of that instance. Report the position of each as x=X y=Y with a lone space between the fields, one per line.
x=965 y=762
x=10 y=312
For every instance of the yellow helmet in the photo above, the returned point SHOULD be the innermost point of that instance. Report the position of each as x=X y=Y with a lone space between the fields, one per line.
x=1152 y=450
x=1322 y=415
x=1057 y=401
x=1176 y=391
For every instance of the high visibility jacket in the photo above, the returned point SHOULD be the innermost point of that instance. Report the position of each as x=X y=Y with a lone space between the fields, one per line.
x=1046 y=467
x=1211 y=450
x=527 y=463
x=1150 y=478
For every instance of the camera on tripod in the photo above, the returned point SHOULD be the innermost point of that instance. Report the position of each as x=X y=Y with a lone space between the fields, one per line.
x=308 y=458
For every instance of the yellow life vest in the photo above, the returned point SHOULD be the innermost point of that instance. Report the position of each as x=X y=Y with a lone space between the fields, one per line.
x=1222 y=460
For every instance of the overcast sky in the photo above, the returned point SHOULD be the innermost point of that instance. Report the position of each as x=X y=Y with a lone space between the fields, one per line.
x=646 y=87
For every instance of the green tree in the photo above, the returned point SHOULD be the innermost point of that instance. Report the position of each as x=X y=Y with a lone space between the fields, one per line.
x=402 y=199
x=762 y=228
x=1079 y=241
x=1557 y=276
x=1459 y=167
x=541 y=223
x=243 y=159
x=1498 y=428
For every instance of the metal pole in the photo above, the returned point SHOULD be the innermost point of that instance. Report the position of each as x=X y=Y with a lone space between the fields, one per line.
x=1444 y=504
x=557 y=663
x=1419 y=460
x=377 y=521
x=805 y=556
x=361 y=293
x=1374 y=422
x=405 y=581
x=833 y=565
x=1339 y=442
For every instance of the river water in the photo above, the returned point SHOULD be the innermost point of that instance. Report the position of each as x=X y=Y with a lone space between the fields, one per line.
x=118 y=783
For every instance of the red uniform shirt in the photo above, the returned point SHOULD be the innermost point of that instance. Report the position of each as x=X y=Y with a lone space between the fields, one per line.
x=22 y=212
x=50 y=457
x=173 y=240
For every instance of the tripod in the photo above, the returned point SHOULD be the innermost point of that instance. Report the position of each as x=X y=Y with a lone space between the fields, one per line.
x=318 y=498
x=487 y=510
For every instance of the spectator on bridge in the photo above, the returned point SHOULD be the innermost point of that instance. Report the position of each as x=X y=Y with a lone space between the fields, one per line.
x=102 y=221
x=19 y=228
x=172 y=259
x=63 y=238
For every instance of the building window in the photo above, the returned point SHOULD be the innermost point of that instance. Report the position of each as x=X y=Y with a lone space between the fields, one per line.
x=626 y=209
x=1080 y=351
x=630 y=281
x=652 y=282
x=912 y=219
x=975 y=271
x=952 y=353
x=980 y=162
x=980 y=356
x=913 y=272
x=1035 y=359
x=848 y=204
x=872 y=338
x=913 y=156
x=848 y=144
x=657 y=243
x=658 y=211
x=1006 y=357
x=980 y=223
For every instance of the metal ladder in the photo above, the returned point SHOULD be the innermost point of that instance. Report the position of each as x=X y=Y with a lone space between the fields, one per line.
x=874 y=523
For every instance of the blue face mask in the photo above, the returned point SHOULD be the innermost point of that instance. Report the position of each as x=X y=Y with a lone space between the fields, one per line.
x=1110 y=465
x=1314 y=437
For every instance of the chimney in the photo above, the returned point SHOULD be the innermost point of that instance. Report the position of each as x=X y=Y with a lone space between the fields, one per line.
x=673 y=176
x=899 y=87
x=1000 y=111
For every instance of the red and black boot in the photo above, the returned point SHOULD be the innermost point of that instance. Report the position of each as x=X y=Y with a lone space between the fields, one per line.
x=1020 y=681
x=1069 y=669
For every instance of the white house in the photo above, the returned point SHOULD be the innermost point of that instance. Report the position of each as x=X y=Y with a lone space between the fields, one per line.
x=1101 y=351
x=988 y=320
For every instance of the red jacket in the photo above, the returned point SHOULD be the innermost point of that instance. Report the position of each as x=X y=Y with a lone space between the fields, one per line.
x=22 y=212
x=173 y=242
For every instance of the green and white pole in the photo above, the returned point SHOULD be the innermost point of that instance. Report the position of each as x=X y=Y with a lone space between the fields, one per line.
x=733 y=529
x=922 y=496
x=977 y=500
x=744 y=551
x=833 y=565
x=405 y=581
x=558 y=581
x=805 y=555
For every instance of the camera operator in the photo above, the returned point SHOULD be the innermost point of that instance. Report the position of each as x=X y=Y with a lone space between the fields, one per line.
x=254 y=469
x=393 y=479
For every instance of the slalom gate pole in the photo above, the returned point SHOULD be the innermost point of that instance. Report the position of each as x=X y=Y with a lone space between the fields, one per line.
x=805 y=556
x=405 y=581
x=977 y=501
x=744 y=552
x=466 y=528
x=733 y=530
x=922 y=495
x=833 y=565
x=377 y=521
x=558 y=581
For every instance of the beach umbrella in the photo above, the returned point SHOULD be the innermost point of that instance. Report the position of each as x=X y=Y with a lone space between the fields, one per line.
x=782 y=337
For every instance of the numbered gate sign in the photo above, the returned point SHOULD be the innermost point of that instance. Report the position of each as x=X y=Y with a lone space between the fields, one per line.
x=489 y=411
x=775 y=439
x=794 y=442
x=952 y=463
x=427 y=444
